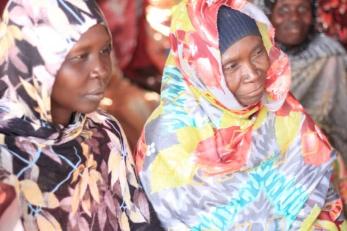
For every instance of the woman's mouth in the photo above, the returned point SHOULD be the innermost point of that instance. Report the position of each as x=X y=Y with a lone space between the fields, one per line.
x=95 y=95
x=293 y=29
x=257 y=91
x=253 y=96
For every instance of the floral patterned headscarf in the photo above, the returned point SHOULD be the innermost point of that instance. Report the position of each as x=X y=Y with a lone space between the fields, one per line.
x=209 y=163
x=75 y=177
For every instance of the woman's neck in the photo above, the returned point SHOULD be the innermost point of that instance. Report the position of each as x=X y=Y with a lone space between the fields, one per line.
x=61 y=116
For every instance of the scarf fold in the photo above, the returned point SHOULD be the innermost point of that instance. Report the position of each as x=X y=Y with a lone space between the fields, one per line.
x=224 y=163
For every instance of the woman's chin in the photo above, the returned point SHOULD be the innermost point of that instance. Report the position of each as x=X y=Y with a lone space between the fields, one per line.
x=251 y=100
x=88 y=108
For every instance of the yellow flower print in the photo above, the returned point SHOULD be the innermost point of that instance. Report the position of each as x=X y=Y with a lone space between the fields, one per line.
x=8 y=35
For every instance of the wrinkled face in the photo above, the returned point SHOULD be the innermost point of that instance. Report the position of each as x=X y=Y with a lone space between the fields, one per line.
x=84 y=75
x=292 y=20
x=245 y=64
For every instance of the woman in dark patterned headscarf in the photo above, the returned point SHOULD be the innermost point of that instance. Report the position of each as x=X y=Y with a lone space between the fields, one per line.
x=68 y=163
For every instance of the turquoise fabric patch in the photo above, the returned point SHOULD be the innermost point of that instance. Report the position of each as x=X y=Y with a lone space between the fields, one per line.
x=174 y=101
x=286 y=197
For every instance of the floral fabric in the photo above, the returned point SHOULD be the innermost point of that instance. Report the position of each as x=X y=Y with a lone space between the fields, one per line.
x=332 y=18
x=208 y=163
x=80 y=177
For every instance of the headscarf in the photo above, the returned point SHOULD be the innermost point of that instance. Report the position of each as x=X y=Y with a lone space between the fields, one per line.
x=75 y=177
x=208 y=163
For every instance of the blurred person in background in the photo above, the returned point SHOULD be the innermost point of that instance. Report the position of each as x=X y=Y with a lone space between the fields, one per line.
x=127 y=21
x=318 y=64
x=158 y=18
x=126 y=99
x=129 y=103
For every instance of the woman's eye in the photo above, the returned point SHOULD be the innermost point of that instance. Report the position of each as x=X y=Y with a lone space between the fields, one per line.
x=230 y=67
x=303 y=9
x=260 y=51
x=78 y=58
x=283 y=10
x=107 y=50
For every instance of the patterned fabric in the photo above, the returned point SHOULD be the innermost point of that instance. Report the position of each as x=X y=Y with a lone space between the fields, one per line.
x=332 y=19
x=80 y=177
x=207 y=163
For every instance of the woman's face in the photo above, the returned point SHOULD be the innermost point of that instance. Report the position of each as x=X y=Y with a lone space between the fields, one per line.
x=245 y=64
x=83 y=77
x=292 y=20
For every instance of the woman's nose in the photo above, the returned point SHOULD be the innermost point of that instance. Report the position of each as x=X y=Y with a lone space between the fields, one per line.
x=250 y=73
x=99 y=68
x=294 y=15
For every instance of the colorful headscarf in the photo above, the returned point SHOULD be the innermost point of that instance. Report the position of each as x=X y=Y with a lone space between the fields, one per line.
x=208 y=163
x=79 y=177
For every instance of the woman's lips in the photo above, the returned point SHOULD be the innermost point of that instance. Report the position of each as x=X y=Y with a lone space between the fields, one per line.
x=95 y=95
x=258 y=91
x=293 y=29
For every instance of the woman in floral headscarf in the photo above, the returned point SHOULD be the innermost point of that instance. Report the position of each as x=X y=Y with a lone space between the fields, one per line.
x=228 y=148
x=68 y=164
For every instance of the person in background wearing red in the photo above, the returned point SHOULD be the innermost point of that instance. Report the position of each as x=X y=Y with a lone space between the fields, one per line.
x=127 y=98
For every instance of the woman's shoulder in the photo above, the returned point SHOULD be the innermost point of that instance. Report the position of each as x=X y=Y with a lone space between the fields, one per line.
x=104 y=124
x=101 y=116
x=105 y=120
x=329 y=44
x=320 y=46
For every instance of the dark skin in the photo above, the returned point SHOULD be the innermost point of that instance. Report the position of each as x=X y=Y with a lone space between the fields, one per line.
x=245 y=64
x=292 y=20
x=83 y=77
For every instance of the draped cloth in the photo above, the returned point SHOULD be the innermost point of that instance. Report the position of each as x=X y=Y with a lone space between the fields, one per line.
x=208 y=163
x=78 y=177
